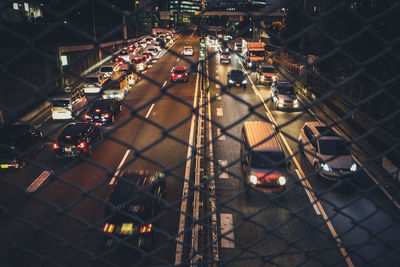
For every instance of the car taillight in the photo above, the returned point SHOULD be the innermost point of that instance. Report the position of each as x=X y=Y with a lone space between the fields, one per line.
x=106 y=116
x=82 y=145
x=87 y=117
x=108 y=228
x=56 y=146
x=146 y=229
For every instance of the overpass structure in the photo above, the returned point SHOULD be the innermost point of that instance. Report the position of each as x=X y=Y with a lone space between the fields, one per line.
x=243 y=13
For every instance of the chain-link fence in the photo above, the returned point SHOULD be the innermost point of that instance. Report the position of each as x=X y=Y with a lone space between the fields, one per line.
x=199 y=133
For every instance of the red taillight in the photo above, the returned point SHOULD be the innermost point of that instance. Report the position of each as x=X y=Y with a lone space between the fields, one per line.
x=82 y=145
x=87 y=117
x=106 y=116
x=146 y=229
x=108 y=228
x=56 y=146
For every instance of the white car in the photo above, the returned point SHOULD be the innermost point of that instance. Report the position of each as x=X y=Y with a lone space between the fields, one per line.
x=327 y=151
x=188 y=51
x=225 y=57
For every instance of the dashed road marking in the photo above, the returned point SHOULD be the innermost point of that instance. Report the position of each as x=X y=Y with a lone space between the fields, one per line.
x=38 y=181
x=227 y=241
x=119 y=167
x=223 y=163
x=312 y=200
x=150 y=66
x=165 y=82
x=221 y=137
x=144 y=71
x=178 y=59
x=220 y=112
x=217 y=86
x=154 y=61
x=148 y=112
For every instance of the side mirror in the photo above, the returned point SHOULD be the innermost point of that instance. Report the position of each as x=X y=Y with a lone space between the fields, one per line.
x=288 y=165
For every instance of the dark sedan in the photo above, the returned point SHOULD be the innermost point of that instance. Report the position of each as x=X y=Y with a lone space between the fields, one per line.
x=133 y=213
x=103 y=111
x=18 y=143
x=237 y=78
x=77 y=139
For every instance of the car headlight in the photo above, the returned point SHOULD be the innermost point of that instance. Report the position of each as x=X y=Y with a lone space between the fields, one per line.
x=230 y=81
x=253 y=179
x=295 y=102
x=282 y=180
x=326 y=167
x=280 y=101
x=244 y=82
x=250 y=64
x=353 y=167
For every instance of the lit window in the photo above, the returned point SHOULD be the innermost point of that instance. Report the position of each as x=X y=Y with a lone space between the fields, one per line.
x=26 y=6
x=15 y=6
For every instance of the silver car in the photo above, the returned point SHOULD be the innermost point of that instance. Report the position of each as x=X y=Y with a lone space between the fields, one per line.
x=327 y=151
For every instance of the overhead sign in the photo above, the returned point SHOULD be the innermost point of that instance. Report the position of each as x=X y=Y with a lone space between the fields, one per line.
x=164 y=15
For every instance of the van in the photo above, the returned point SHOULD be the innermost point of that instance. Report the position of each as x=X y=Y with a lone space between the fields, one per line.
x=68 y=105
x=108 y=68
x=116 y=87
x=262 y=157
x=93 y=82
x=266 y=73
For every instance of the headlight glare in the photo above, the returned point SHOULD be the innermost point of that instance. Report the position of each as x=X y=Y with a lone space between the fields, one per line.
x=253 y=179
x=282 y=180
x=326 y=167
x=230 y=81
x=353 y=167
x=244 y=82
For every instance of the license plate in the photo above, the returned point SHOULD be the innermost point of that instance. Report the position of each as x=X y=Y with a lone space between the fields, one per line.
x=4 y=166
x=68 y=149
x=238 y=84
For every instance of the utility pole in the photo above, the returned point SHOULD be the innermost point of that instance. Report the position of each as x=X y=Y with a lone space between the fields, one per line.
x=94 y=21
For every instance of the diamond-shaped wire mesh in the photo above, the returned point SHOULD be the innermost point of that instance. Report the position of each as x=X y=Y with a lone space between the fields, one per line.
x=125 y=144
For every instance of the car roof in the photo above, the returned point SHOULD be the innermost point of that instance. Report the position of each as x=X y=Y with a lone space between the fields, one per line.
x=325 y=131
x=180 y=68
x=261 y=136
x=76 y=128
x=188 y=47
x=266 y=65
x=236 y=72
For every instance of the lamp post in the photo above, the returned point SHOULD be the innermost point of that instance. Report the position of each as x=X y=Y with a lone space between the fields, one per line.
x=94 y=21
x=136 y=16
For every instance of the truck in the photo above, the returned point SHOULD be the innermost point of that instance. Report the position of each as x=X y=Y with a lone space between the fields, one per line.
x=117 y=86
x=254 y=53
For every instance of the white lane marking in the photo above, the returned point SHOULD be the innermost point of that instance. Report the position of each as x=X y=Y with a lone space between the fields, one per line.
x=310 y=197
x=220 y=112
x=217 y=71
x=154 y=61
x=178 y=59
x=217 y=77
x=119 y=167
x=144 y=71
x=172 y=70
x=318 y=203
x=150 y=66
x=219 y=97
x=148 y=112
x=40 y=125
x=224 y=174
x=165 y=82
x=226 y=220
x=379 y=184
x=185 y=190
x=221 y=137
x=217 y=86
x=38 y=181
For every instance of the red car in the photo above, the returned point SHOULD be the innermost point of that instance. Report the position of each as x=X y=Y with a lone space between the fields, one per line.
x=180 y=73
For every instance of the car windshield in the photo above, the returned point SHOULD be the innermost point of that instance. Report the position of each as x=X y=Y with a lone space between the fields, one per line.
x=91 y=80
x=106 y=69
x=267 y=70
x=237 y=73
x=179 y=71
x=274 y=160
x=333 y=147
x=60 y=103
x=75 y=130
x=101 y=104
x=226 y=53
x=286 y=90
